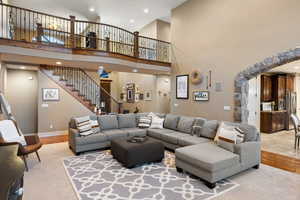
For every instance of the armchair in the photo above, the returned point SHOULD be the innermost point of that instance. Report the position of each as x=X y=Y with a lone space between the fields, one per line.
x=9 y=134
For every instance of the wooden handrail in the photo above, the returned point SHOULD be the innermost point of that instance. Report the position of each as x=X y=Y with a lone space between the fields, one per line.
x=23 y=27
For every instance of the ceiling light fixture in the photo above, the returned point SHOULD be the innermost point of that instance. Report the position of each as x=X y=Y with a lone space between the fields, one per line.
x=22 y=67
x=92 y=9
x=296 y=67
x=58 y=63
x=135 y=70
x=146 y=10
x=131 y=21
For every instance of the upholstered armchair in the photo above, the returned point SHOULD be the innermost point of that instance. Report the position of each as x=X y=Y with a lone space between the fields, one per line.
x=9 y=134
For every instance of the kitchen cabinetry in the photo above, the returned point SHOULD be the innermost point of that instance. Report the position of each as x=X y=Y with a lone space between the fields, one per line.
x=290 y=87
x=279 y=91
x=266 y=88
x=272 y=121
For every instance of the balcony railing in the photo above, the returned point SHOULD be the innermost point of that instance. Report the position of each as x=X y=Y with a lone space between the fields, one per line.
x=22 y=24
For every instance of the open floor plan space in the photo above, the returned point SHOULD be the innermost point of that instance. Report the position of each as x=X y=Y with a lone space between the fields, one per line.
x=149 y=100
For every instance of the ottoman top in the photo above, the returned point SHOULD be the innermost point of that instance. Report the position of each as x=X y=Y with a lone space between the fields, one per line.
x=124 y=144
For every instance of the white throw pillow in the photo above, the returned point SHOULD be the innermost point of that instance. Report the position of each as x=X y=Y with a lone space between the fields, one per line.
x=84 y=125
x=157 y=123
x=9 y=132
x=144 y=122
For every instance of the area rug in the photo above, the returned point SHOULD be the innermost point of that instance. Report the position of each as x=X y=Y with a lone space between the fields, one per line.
x=97 y=176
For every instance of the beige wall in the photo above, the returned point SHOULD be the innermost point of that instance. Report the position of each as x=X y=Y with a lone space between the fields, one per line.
x=163 y=31
x=157 y=29
x=3 y=76
x=59 y=113
x=226 y=37
x=155 y=83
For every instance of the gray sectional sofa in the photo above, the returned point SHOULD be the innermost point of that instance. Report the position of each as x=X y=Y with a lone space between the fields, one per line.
x=191 y=138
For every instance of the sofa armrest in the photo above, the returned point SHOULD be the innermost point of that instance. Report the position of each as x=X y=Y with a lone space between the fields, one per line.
x=196 y=130
x=73 y=132
x=249 y=152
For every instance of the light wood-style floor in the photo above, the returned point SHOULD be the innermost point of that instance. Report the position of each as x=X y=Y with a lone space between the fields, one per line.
x=277 y=150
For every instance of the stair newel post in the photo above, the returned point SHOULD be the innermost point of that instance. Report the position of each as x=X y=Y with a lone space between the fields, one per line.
x=107 y=43
x=39 y=29
x=136 y=44
x=72 y=31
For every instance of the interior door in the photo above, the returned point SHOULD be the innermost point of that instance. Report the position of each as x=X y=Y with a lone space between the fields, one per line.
x=22 y=95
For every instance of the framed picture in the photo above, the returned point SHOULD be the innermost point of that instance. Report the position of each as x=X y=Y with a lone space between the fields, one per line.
x=137 y=97
x=50 y=94
x=141 y=96
x=201 y=95
x=182 y=87
x=148 y=95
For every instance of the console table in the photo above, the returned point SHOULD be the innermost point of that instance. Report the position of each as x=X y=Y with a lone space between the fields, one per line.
x=11 y=172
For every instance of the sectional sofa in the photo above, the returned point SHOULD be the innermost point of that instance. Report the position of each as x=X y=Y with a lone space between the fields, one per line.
x=190 y=137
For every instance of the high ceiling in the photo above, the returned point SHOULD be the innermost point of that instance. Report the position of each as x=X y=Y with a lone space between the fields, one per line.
x=129 y=14
x=293 y=67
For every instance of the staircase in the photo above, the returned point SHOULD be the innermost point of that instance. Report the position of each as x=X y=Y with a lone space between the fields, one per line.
x=79 y=84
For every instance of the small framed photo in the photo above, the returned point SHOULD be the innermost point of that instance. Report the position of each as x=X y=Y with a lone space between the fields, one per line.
x=182 y=87
x=201 y=95
x=50 y=94
x=148 y=95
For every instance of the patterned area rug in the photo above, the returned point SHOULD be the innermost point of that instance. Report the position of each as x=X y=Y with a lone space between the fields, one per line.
x=98 y=176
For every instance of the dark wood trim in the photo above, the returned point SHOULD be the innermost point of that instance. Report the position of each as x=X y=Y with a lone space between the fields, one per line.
x=54 y=139
x=280 y=161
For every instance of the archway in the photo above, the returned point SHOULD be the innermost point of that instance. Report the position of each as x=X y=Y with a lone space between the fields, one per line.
x=241 y=83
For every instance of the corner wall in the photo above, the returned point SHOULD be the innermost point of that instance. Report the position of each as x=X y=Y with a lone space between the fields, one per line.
x=226 y=37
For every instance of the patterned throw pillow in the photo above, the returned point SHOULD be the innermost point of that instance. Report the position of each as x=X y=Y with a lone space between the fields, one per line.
x=144 y=122
x=228 y=136
x=84 y=126
x=157 y=123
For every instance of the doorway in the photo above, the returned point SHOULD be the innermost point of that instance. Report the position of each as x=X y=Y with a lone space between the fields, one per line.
x=22 y=95
x=105 y=97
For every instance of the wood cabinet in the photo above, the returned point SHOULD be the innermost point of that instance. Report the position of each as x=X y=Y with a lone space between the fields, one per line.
x=279 y=91
x=266 y=88
x=272 y=121
x=290 y=87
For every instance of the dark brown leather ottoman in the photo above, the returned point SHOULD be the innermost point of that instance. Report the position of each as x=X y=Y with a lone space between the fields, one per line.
x=132 y=154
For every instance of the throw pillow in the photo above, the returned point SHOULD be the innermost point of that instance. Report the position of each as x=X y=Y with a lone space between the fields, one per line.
x=157 y=123
x=144 y=122
x=228 y=136
x=171 y=121
x=84 y=126
x=185 y=124
x=209 y=129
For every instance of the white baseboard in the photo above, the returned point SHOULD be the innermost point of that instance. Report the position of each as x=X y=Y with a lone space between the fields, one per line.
x=54 y=133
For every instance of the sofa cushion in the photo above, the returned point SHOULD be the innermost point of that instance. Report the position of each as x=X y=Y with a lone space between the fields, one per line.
x=115 y=133
x=251 y=133
x=135 y=131
x=191 y=140
x=171 y=121
x=207 y=156
x=94 y=138
x=185 y=124
x=127 y=120
x=209 y=129
x=172 y=137
x=156 y=133
x=157 y=123
x=108 y=122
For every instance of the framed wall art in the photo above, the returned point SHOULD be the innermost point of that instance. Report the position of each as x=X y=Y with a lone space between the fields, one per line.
x=201 y=95
x=182 y=87
x=148 y=95
x=50 y=94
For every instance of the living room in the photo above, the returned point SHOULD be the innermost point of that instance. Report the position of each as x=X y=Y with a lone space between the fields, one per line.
x=139 y=100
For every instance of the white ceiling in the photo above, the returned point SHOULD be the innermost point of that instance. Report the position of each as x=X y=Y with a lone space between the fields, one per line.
x=114 y=12
x=293 y=67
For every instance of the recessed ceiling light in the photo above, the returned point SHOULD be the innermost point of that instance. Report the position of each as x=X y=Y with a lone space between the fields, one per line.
x=296 y=67
x=146 y=10
x=131 y=21
x=135 y=70
x=58 y=63
x=22 y=67
x=92 y=9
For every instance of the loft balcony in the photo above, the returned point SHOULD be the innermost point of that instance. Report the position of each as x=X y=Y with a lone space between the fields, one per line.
x=22 y=28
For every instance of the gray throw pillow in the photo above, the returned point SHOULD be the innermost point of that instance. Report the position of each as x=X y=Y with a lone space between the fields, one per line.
x=171 y=121
x=209 y=129
x=108 y=122
x=127 y=120
x=250 y=132
x=185 y=124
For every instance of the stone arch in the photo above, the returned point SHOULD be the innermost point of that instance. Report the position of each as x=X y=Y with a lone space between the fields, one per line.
x=241 y=84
